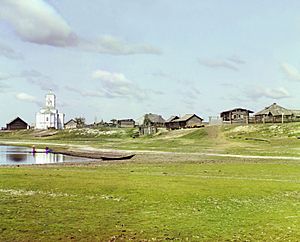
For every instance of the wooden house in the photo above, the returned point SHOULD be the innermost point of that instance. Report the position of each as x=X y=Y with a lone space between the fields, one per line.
x=169 y=124
x=126 y=123
x=151 y=119
x=275 y=113
x=236 y=115
x=186 y=121
x=17 y=124
x=71 y=124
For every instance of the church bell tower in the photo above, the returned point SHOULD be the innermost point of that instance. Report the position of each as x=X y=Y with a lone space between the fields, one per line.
x=50 y=100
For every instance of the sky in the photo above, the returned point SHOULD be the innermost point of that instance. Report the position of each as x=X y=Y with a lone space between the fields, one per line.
x=108 y=59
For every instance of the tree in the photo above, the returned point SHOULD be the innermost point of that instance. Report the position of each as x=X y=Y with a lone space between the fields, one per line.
x=80 y=121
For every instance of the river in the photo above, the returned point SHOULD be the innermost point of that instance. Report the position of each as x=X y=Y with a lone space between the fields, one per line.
x=15 y=155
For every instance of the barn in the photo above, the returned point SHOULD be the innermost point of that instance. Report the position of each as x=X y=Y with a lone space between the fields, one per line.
x=17 y=124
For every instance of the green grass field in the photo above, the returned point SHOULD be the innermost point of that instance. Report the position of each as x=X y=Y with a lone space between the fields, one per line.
x=162 y=197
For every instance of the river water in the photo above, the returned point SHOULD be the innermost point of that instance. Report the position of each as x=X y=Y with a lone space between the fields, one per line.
x=14 y=155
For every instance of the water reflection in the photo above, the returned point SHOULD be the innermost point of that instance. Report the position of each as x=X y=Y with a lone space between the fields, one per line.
x=12 y=155
x=16 y=157
x=46 y=158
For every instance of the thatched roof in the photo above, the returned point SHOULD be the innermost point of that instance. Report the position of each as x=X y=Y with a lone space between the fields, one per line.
x=150 y=118
x=275 y=110
x=154 y=118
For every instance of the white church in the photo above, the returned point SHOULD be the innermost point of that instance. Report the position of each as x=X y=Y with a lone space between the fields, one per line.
x=49 y=117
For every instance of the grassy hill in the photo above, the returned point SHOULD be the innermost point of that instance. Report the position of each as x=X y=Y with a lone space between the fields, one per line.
x=259 y=139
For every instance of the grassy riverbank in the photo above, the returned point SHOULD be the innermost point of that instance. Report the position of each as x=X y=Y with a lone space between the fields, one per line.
x=260 y=139
x=180 y=195
x=216 y=199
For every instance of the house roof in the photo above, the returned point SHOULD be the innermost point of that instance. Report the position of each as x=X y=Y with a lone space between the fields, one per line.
x=172 y=118
x=125 y=120
x=186 y=118
x=71 y=120
x=154 y=118
x=296 y=112
x=274 y=110
x=15 y=120
x=236 y=109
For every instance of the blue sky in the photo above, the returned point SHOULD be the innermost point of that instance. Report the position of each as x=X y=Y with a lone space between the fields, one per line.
x=121 y=59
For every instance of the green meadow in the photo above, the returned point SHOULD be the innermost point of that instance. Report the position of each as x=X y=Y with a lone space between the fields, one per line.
x=182 y=196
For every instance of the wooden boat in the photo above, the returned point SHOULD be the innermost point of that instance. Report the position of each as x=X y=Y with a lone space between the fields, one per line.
x=127 y=157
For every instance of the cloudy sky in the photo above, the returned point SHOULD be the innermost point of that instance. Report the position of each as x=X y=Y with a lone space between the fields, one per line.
x=109 y=59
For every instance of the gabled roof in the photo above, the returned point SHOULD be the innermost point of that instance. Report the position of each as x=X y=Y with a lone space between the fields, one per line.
x=186 y=118
x=172 y=118
x=71 y=120
x=16 y=120
x=274 y=110
x=236 y=109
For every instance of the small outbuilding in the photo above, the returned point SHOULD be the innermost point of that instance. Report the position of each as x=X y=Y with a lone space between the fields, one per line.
x=186 y=121
x=17 y=124
x=126 y=123
x=236 y=115
x=71 y=124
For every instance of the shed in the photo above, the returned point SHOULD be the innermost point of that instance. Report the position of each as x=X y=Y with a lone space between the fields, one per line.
x=17 y=124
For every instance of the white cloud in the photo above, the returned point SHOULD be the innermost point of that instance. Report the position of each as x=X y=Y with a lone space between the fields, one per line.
x=5 y=76
x=291 y=71
x=218 y=64
x=231 y=63
x=271 y=93
x=235 y=59
x=117 y=85
x=114 y=85
x=8 y=52
x=37 y=22
x=112 y=45
x=25 y=97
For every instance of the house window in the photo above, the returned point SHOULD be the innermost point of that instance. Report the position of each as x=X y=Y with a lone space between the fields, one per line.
x=47 y=119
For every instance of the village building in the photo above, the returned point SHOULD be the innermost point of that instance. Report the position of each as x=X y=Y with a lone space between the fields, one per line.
x=17 y=124
x=126 y=123
x=275 y=114
x=186 y=121
x=71 y=124
x=169 y=124
x=236 y=115
x=151 y=119
x=49 y=117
